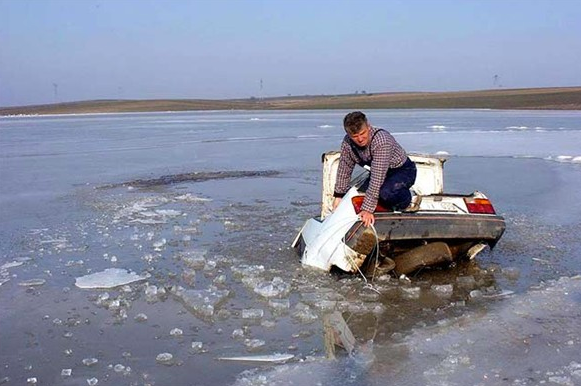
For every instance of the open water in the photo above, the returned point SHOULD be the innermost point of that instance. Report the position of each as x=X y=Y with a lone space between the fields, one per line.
x=204 y=205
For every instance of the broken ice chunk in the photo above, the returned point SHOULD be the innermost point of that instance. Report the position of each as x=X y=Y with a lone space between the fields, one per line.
x=90 y=361
x=274 y=358
x=158 y=245
x=197 y=347
x=32 y=282
x=195 y=259
x=176 y=332
x=252 y=313
x=151 y=293
x=11 y=264
x=279 y=304
x=202 y=302
x=247 y=270
x=511 y=273
x=109 y=278
x=189 y=276
x=410 y=292
x=467 y=282
x=276 y=288
x=188 y=197
x=169 y=212
x=238 y=333
x=66 y=372
x=164 y=358
x=140 y=318
x=254 y=344
x=444 y=290
x=92 y=381
x=304 y=314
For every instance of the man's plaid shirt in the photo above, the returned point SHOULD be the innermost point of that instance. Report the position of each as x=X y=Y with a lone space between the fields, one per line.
x=382 y=153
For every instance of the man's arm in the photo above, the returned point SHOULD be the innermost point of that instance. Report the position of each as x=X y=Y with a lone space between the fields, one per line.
x=379 y=168
x=344 y=171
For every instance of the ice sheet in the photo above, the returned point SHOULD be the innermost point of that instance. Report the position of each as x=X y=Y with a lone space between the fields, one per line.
x=109 y=278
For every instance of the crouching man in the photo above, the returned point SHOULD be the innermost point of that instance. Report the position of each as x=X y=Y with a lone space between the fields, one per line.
x=392 y=172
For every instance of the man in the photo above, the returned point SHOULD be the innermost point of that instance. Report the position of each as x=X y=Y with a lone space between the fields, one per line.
x=392 y=172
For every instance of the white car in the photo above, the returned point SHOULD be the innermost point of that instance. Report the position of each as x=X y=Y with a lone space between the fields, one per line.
x=446 y=227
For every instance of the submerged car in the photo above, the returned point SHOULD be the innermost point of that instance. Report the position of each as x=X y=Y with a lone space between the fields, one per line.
x=446 y=228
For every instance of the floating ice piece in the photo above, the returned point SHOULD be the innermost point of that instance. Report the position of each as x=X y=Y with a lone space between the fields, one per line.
x=238 y=333
x=148 y=221
x=279 y=304
x=32 y=282
x=11 y=264
x=90 y=361
x=247 y=270
x=164 y=358
x=501 y=294
x=564 y=158
x=276 y=288
x=119 y=368
x=410 y=292
x=252 y=313
x=197 y=347
x=151 y=293
x=304 y=314
x=66 y=373
x=176 y=332
x=169 y=212
x=159 y=244
x=92 y=381
x=109 y=278
x=444 y=290
x=576 y=159
x=511 y=273
x=140 y=318
x=254 y=344
x=203 y=302
x=195 y=259
x=188 y=197
x=273 y=358
x=72 y=263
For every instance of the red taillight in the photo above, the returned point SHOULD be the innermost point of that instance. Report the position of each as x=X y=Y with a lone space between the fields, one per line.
x=358 y=201
x=479 y=205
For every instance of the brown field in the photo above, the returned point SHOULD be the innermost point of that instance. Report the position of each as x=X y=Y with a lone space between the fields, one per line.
x=564 y=98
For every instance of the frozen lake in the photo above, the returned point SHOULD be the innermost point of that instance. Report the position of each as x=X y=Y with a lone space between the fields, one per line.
x=214 y=273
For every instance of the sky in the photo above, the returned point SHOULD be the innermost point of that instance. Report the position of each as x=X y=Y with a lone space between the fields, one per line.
x=69 y=50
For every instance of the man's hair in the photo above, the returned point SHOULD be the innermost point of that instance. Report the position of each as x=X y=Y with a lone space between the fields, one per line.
x=353 y=122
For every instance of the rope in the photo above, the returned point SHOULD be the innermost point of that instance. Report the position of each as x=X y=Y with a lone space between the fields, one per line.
x=376 y=249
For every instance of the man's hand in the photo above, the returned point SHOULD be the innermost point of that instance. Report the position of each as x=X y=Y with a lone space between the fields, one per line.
x=367 y=218
x=336 y=202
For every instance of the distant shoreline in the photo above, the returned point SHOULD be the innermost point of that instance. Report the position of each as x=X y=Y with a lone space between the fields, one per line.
x=556 y=98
